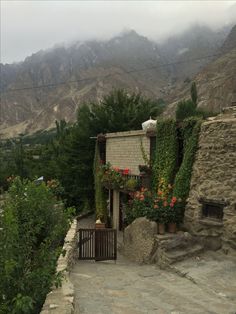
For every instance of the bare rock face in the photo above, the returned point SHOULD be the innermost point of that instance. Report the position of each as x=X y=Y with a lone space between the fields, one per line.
x=139 y=240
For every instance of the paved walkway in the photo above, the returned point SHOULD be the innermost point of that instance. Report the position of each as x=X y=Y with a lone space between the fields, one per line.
x=127 y=288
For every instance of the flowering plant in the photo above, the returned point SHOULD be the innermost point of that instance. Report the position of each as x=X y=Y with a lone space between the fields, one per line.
x=166 y=204
x=111 y=176
x=140 y=204
x=117 y=178
x=161 y=206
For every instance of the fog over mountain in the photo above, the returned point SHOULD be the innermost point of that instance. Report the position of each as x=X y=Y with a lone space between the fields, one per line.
x=130 y=61
x=162 y=48
x=29 y=26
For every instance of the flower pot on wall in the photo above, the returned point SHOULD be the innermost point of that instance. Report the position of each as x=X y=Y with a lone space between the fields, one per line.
x=100 y=225
x=161 y=228
x=172 y=227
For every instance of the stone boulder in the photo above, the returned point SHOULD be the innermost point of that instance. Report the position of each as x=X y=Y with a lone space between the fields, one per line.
x=139 y=240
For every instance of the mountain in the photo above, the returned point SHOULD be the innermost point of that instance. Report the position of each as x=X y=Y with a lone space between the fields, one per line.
x=230 y=42
x=94 y=67
x=198 y=44
x=64 y=77
x=216 y=82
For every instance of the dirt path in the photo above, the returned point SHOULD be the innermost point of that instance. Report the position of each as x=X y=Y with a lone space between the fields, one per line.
x=127 y=288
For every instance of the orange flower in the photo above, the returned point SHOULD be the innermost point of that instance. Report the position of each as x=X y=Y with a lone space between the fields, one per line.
x=159 y=193
x=156 y=206
x=174 y=199
x=141 y=198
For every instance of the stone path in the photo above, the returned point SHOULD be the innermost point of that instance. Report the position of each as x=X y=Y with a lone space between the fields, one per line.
x=127 y=288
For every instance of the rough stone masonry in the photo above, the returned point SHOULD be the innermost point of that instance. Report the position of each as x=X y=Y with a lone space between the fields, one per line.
x=214 y=180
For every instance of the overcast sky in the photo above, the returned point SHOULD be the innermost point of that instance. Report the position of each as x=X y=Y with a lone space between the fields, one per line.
x=28 y=26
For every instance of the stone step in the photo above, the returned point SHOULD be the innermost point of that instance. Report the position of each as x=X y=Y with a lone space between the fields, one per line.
x=177 y=255
x=181 y=240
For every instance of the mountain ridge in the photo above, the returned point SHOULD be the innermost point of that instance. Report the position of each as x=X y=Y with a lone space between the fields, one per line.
x=96 y=68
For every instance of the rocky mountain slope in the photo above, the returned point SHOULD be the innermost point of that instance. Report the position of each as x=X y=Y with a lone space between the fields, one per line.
x=216 y=82
x=64 y=77
x=195 y=43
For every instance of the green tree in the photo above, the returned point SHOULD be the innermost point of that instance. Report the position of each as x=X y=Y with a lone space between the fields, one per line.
x=193 y=92
x=118 y=111
x=185 y=109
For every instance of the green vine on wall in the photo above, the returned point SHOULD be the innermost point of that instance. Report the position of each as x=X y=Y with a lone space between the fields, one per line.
x=165 y=164
x=100 y=198
x=190 y=133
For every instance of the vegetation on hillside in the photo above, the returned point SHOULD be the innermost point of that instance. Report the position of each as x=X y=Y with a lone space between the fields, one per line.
x=69 y=155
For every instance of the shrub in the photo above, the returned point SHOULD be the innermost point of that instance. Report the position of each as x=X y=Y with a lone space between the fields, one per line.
x=139 y=205
x=32 y=233
x=161 y=206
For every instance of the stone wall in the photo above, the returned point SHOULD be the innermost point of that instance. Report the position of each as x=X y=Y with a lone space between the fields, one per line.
x=61 y=300
x=123 y=149
x=214 y=179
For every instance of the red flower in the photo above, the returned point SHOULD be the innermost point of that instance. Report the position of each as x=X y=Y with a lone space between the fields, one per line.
x=126 y=171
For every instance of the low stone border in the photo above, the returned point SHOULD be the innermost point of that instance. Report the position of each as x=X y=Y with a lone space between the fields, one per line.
x=61 y=300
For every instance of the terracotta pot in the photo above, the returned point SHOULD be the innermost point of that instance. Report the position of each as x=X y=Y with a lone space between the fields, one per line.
x=161 y=228
x=100 y=226
x=172 y=227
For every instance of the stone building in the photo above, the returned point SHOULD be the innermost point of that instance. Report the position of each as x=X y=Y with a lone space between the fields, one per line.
x=210 y=213
x=124 y=150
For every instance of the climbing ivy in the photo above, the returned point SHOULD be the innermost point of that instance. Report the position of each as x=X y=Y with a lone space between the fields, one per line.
x=100 y=198
x=190 y=132
x=165 y=164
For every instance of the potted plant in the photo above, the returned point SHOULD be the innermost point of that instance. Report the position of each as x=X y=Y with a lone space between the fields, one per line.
x=172 y=215
x=165 y=205
x=131 y=184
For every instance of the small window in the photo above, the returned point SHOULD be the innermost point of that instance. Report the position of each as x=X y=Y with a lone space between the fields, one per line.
x=212 y=211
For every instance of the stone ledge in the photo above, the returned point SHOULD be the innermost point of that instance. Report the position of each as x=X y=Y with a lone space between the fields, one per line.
x=125 y=133
x=61 y=300
x=209 y=222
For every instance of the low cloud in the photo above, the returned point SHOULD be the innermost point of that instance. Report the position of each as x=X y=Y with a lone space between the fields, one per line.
x=28 y=26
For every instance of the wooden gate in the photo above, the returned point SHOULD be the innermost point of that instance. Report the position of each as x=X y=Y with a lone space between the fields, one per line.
x=97 y=244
